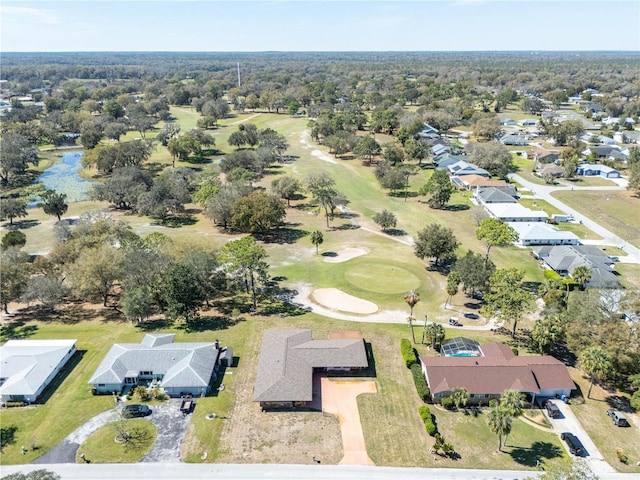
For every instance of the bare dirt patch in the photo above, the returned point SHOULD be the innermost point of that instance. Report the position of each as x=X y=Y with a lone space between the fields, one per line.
x=338 y=300
x=252 y=436
x=345 y=254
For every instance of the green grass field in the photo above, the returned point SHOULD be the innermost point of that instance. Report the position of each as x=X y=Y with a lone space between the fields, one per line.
x=101 y=447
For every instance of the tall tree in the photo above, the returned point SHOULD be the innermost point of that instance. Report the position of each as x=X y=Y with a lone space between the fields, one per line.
x=13 y=239
x=286 y=188
x=16 y=153
x=474 y=271
x=596 y=363
x=54 y=203
x=499 y=423
x=453 y=282
x=367 y=148
x=581 y=275
x=96 y=272
x=495 y=233
x=385 y=219
x=506 y=297
x=439 y=188
x=244 y=261
x=317 y=238
x=258 y=213
x=182 y=297
x=434 y=334
x=513 y=402
x=12 y=208
x=546 y=333
x=460 y=397
x=437 y=242
x=412 y=298
x=14 y=275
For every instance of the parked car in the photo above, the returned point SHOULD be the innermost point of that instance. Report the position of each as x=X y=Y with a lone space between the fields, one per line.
x=618 y=418
x=575 y=447
x=552 y=409
x=135 y=410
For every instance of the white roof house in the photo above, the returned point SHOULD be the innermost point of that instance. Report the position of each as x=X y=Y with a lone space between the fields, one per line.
x=28 y=366
x=178 y=368
x=515 y=212
x=538 y=233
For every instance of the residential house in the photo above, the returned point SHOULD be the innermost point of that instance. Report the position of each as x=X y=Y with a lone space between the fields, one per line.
x=515 y=212
x=528 y=122
x=507 y=122
x=593 y=108
x=598 y=139
x=514 y=139
x=443 y=160
x=538 y=233
x=605 y=151
x=552 y=169
x=565 y=259
x=494 y=369
x=542 y=155
x=589 y=170
x=470 y=182
x=464 y=168
x=486 y=195
x=28 y=366
x=429 y=132
x=290 y=357
x=178 y=368
x=440 y=146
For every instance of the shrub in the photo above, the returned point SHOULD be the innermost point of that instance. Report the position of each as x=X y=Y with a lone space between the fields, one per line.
x=421 y=384
x=408 y=353
x=14 y=404
x=622 y=456
x=448 y=403
x=552 y=275
x=493 y=403
x=427 y=419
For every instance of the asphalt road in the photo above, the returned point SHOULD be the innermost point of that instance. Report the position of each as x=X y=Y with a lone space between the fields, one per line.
x=278 y=472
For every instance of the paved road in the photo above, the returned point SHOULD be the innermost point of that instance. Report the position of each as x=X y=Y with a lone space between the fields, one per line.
x=569 y=423
x=609 y=238
x=281 y=472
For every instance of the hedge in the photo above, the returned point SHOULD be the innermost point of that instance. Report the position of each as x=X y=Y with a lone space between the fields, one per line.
x=552 y=275
x=448 y=403
x=408 y=353
x=421 y=384
x=427 y=419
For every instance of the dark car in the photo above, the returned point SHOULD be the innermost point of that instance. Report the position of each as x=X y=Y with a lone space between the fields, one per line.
x=131 y=411
x=575 y=447
x=552 y=409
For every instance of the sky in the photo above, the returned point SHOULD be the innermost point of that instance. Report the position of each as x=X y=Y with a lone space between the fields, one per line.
x=280 y=25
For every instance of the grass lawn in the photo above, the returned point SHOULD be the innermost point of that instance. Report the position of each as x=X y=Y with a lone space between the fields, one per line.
x=537 y=204
x=614 y=210
x=525 y=170
x=607 y=437
x=579 y=229
x=583 y=181
x=629 y=274
x=101 y=447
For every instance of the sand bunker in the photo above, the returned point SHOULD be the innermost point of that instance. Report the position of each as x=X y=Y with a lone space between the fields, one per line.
x=338 y=300
x=345 y=254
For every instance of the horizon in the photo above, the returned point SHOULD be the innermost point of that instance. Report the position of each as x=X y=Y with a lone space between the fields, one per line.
x=62 y=26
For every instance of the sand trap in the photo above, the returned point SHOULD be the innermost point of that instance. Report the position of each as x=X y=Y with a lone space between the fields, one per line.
x=338 y=300
x=346 y=254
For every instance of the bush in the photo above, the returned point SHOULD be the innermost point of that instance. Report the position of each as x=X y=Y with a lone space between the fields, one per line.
x=448 y=403
x=427 y=419
x=408 y=353
x=493 y=403
x=421 y=384
x=552 y=275
x=622 y=456
x=10 y=404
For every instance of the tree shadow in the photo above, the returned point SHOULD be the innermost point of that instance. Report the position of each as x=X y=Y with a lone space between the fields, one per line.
x=280 y=307
x=473 y=305
x=529 y=456
x=562 y=353
x=21 y=224
x=208 y=323
x=240 y=303
x=395 y=232
x=401 y=194
x=458 y=207
x=531 y=287
x=283 y=235
x=17 y=332
x=7 y=436
x=179 y=221
x=200 y=160
x=154 y=325
x=346 y=226
x=329 y=254
x=620 y=403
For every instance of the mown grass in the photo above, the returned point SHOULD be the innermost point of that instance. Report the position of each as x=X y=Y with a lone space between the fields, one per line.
x=101 y=447
x=607 y=437
x=614 y=210
x=582 y=181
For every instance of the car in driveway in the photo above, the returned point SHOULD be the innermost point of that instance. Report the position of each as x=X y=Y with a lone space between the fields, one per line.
x=575 y=447
x=618 y=418
x=552 y=409
x=135 y=410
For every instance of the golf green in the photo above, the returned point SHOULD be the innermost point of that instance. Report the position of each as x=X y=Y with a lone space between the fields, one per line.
x=381 y=277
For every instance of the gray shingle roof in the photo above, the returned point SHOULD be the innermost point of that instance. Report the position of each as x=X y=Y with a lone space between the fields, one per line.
x=288 y=357
x=182 y=364
x=26 y=364
x=566 y=258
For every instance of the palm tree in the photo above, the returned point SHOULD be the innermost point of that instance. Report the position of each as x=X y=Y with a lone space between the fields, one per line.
x=499 y=423
x=460 y=396
x=596 y=362
x=435 y=334
x=512 y=402
x=581 y=275
x=317 y=238
x=412 y=298
x=453 y=282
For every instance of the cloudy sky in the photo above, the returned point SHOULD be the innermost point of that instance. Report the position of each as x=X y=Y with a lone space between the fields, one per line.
x=207 y=25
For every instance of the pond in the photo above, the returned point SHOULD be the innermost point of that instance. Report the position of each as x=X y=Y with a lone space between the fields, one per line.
x=63 y=177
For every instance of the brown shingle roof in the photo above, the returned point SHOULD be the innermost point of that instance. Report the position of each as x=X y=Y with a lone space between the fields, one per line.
x=496 y=371
x=288 y=357
x=480 y=181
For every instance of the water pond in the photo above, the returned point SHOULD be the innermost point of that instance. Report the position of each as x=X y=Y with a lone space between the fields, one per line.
x=63 y=177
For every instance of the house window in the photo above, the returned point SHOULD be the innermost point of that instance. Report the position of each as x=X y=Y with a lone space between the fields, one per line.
x=101 y=385
x=130 y=380
x=146 y=373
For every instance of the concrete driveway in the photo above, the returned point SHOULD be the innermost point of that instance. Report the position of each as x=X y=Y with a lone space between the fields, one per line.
x=340 y=398
x=170 y=422
x=568 y=422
